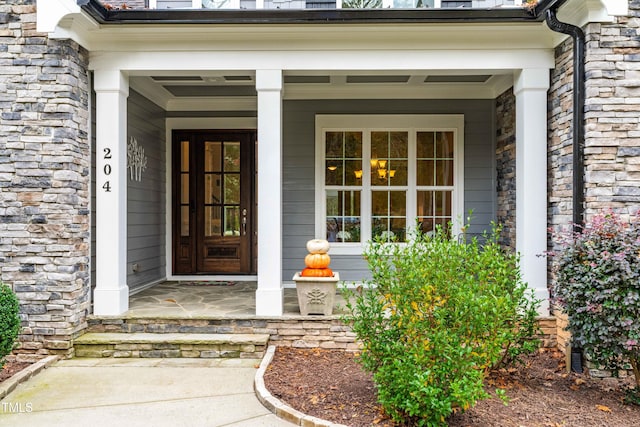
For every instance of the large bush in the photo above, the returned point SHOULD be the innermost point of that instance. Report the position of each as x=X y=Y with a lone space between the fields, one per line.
x=597 y=284
x=9 y=321
x=434 y=318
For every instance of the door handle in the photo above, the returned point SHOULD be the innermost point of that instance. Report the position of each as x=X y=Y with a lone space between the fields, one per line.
x=244 y=222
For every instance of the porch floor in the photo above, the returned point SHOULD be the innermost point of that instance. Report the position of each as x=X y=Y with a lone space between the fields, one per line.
x=204 y=299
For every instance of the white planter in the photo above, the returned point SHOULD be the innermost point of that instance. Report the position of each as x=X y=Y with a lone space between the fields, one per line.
x=316 y=295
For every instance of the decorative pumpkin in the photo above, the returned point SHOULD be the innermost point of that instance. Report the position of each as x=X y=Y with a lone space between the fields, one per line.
x=317 y=260
x=318 y=246
x=316 y=272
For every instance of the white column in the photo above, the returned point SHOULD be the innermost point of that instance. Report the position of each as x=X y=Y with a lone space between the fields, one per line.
x=269 y=296
x=530 y=89
x=111 y=295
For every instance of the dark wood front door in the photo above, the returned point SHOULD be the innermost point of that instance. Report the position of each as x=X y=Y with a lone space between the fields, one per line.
x=213 y=202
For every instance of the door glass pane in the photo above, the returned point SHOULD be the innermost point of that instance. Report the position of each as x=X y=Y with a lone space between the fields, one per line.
x=212 y=156
x=184 y=156
x=212 y=220
x=232 y=221
x=232 y=189
x=212 y=188
x=232 y=157
x=184 y=221
x=184 y=188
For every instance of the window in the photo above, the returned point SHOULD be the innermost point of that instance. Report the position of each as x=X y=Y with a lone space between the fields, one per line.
x=377 y=175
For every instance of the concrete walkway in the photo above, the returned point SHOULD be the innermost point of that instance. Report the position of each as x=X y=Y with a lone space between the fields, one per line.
x=140 y=392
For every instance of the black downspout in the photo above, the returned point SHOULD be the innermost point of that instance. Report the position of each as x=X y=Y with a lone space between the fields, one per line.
x=578 y=137
x=578 y=109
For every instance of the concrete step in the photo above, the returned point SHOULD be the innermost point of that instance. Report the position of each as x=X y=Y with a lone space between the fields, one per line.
x=171 y=345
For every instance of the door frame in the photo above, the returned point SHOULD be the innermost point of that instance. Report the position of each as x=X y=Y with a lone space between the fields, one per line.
x=249 y=175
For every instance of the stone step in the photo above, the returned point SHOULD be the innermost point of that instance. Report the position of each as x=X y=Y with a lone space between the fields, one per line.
x=171 y=345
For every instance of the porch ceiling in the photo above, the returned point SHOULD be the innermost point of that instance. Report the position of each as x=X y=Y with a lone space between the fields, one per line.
x=235 y=90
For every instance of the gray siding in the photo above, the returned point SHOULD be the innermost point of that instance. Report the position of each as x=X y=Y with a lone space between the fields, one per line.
x=146 y=212
x=299 y=168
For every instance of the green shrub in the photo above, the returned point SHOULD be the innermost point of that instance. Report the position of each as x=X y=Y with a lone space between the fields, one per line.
x=434 y=318
x=9 y=320
x=598 y=285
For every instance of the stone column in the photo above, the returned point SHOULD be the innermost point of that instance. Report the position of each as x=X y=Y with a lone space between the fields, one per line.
x=111 y=295
x=269 y=296
x=530 y=89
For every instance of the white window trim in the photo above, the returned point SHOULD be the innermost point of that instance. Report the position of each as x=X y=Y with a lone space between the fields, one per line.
x=367 y=123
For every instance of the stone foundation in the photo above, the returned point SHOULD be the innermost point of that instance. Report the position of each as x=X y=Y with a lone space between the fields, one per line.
x=290 y=331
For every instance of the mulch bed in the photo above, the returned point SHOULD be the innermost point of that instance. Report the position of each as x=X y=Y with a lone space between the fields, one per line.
x=11 y=368
x=331 y=385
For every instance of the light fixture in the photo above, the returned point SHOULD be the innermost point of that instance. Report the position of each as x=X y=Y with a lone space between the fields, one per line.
x=380 y=166
x=332 y=168
x=358 y=173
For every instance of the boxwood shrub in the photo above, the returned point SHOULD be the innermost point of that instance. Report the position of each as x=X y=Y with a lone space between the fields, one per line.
x=435 y=317
x=9 y=321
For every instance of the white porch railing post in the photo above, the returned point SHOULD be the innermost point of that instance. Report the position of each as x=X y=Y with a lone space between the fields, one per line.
x=530 y=90
x=269 y=296
x=111 y=295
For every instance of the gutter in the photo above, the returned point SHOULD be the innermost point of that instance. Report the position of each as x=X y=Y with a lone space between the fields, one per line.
x=308 y=16
x=578 y=37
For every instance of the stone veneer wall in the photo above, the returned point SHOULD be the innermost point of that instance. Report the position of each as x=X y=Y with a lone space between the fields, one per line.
x=560 y=138
x=506 y=166
x=612 y=133
x=612 y=146
x=560 y=157
x=44 y=181
x=612 y=143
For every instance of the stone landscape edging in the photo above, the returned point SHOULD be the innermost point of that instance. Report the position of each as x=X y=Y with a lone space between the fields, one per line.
x=277 y=406
x=10 y=384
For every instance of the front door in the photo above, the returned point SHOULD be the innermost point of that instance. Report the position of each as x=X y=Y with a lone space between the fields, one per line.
x=213 y=202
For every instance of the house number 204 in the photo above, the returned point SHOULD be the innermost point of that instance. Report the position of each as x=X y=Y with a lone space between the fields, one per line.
x=107 y=169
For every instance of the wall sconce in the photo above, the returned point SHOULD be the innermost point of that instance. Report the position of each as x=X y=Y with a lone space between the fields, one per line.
x=358 y=173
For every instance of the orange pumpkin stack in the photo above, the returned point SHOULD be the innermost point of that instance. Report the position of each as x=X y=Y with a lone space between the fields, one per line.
x=317 y=261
